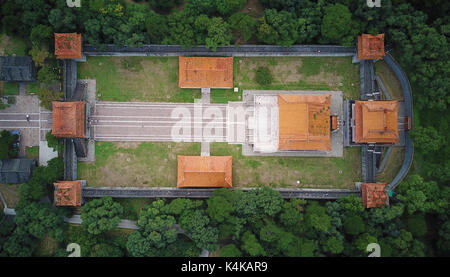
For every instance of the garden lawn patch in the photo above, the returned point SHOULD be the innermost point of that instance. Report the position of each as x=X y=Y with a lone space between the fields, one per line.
x=300 y=73
x=151 y=164
x=393 y=165
x=10 y=46
x=32 y=152
x=146 y=79
x=284 y=172
x=389 y=79
x=9 y=88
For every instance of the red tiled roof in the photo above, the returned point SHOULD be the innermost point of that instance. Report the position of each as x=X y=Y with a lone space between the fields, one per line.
x=304 y=122
x=376 y=121
x=204 y=171
x=371 y=47
x=69 y=119
x=205 y=72
x=68 y=193
x=68 y=46
x=374 y=195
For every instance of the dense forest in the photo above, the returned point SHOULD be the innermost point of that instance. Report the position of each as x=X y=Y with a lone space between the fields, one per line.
x=259 y=223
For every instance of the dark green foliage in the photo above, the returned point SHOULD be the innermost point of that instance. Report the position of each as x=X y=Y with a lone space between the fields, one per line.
x=106 y=250
x=263 y=76
x=316 y=217
x=333 y=245
x=338 y=26
x=41 y=33
x=354 y=225
x=7 y=148
x=251 y=245
x=155 y=226
x=38 y=220
x=156 y=26
x=164 y=5
x=280 y=28
x=47 y=75
x=52 y=141
x=19 y=244
x=197 y=225
x=230 y=250
x=179 y=205
x=427 y=139
x=244 y=24
x=417 y=225
x=100 y=215
x=219 y=34
x=419 y=195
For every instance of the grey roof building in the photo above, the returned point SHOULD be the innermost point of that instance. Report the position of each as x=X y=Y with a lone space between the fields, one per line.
x=16 y=171
x=17 y=69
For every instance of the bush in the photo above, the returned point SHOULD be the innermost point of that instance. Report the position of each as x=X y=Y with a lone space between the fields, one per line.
x=52 y=141
x=263 y=76
x=417 y=225
x=230 y=250
x=47 y=96
x=354 y=225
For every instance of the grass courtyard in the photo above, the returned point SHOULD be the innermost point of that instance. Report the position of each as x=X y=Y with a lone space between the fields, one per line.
x=155 y=79
x=155 y=165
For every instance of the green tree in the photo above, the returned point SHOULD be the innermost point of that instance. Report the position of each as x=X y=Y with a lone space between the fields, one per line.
x=230 y=250
x=417 y=225
x=219 y=34
x=251 y=245
x=100 y=215
x=338 y=26
x=333 y=245
x=197 y=225
x=106 y=250
x=156 y=26
x=156 y=226
x=280 y=28
x=316 y=217
x=164 y=5
x=40 y=33
x=8 y=149
x=244 y=24
x=138 y=246
x=39 y=55
x=38 y=220
x=354 y=225
x=220 y=206
x=47 y=96
x=427 y=139
x=263 y=76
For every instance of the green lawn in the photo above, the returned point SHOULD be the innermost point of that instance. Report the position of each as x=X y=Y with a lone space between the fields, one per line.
x=122 y=79
x=135 y=164
x=33 y=87
x=155 y=79
x=393 y=165
x=8 y=88
x=286 y=171
x=10 y=46
x=300 y=73
x=155 y=165
x=391 y=82
x=32 y=152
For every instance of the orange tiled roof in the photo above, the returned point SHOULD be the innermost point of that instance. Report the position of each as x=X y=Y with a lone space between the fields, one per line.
x=304 y=122
x=69 y=119
x=374 y=194
x=68 y=193
x=371 y=47
x=204 y=171
x=205 y=72
x=68 y=46
x=376 y=121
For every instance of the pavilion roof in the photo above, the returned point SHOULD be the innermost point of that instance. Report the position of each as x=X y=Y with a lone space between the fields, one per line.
x=304 y=122
x=376 y=122
x=68 y=193
x=205 y=72
x=204 y=171
x=371 y=47
x=68 y=46
x=69 y=119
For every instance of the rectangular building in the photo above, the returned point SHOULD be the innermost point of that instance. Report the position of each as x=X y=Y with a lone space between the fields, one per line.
x=205 y=72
